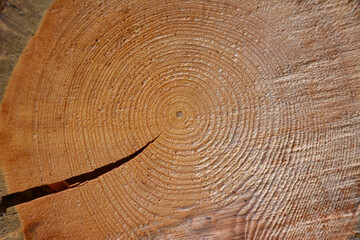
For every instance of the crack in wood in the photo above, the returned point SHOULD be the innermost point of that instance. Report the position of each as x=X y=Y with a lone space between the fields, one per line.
x=34 y=193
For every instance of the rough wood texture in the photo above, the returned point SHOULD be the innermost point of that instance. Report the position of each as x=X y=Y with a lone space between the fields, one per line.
x=19 y=19
x=246 y=114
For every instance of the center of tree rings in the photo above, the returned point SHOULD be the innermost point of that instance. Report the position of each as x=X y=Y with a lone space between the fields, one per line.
x=179 y=114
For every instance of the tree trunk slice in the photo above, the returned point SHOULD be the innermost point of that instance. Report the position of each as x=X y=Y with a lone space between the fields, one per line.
x=212 y=119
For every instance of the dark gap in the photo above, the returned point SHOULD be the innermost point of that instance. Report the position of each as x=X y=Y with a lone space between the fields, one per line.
x=44 y=190
x=2 y=4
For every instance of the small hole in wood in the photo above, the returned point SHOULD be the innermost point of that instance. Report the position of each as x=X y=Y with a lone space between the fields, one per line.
x=179 y=113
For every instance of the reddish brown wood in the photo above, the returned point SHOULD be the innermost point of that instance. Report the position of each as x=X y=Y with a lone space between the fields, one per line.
x=246 y=114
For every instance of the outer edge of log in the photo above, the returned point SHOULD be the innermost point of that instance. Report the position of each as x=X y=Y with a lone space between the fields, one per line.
x=19 y=19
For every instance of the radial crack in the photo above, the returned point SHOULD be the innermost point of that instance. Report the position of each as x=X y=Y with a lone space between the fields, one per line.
x=48 y=189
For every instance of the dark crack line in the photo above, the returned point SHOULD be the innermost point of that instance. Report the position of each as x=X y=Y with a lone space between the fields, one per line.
x=48 y=189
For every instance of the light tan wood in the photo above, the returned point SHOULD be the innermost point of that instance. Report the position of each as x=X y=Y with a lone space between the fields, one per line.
x=248 y=111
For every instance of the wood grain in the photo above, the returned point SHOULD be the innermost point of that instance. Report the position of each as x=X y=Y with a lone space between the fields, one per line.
x=19 y=19
x=254 y=108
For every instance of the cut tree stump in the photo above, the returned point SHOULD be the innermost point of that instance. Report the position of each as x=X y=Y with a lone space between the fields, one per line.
x=186 y=120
